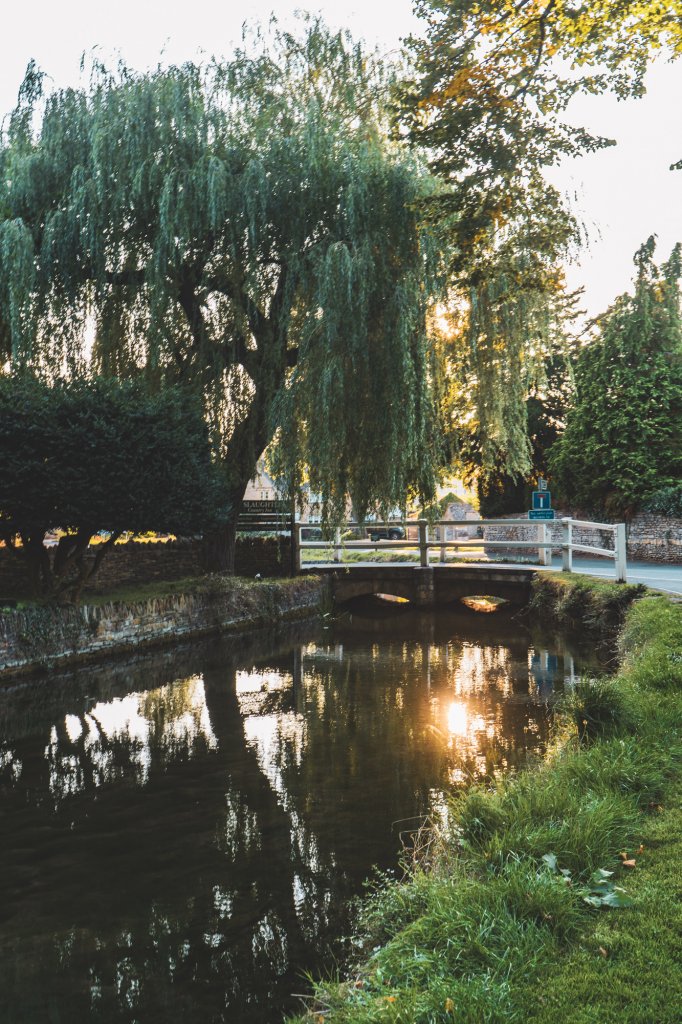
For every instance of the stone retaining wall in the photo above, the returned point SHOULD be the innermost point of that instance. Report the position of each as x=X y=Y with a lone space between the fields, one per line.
x=655 y=538
x=650 y=538
x=40 y=637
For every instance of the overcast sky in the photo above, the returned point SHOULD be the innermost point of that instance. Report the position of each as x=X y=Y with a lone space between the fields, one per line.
x=622 y=195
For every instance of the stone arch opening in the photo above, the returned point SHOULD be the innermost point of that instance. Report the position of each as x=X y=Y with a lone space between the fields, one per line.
x=484 y=604
x=388 y=590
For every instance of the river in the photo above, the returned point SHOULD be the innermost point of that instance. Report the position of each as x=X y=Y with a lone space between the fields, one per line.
x=180 y=836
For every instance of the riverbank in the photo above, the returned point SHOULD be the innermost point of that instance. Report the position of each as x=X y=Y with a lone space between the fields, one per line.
x=37 y=637
x=555 y=895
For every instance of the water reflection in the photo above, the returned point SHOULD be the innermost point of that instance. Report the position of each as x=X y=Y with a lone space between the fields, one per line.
x=180 y=837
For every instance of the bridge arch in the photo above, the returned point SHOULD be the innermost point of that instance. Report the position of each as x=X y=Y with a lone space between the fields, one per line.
x=347 y=589
x=428 y=586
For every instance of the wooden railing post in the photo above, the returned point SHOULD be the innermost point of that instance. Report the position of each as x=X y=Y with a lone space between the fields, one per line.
x=296 y=546
x=544 y=554
x=621 y=551
x=423 y=543
x=443 y=549
x=337 y=544
x=567 y=546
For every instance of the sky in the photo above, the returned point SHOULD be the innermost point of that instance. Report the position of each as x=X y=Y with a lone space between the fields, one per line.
x=621 y=195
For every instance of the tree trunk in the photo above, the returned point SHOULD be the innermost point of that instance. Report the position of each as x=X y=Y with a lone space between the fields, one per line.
x=219 y=548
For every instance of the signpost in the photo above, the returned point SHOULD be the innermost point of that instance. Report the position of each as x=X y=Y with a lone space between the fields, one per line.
x=542 y=510
x=541 y=500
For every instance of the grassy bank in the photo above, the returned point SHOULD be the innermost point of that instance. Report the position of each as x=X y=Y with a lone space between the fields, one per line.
x=211 y=585
x=554 y=897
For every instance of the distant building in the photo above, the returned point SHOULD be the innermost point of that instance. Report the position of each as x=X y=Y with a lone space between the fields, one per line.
x=459 y=512
x=262 y=487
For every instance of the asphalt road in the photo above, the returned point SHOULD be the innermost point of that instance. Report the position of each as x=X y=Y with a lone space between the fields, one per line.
x=653 y=574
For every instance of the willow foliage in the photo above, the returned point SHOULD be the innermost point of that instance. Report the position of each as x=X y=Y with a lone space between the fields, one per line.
x=246 y=229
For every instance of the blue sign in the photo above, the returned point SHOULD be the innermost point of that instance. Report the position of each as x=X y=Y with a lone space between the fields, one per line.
x=542 y=500
x=541 y=513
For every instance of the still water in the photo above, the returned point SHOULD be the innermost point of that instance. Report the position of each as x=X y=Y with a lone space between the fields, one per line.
x=180 y=837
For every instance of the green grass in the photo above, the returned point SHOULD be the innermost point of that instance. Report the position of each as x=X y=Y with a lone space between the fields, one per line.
x=516 y=917
x=133 y=593
x=626 y=967
x=314 y=555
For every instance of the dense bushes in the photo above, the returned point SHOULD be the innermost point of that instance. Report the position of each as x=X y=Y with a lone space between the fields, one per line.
x=599 y=607
x=665 y=502
x=90 y=457
x=623 y=437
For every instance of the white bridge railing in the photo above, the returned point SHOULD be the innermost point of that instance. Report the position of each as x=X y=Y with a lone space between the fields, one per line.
x=424 y=542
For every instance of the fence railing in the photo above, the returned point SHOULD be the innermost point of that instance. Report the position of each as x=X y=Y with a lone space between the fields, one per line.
x=544 y=544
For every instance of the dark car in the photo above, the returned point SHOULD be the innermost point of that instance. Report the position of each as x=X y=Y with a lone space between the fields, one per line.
x=376 y=533
x=311 y=533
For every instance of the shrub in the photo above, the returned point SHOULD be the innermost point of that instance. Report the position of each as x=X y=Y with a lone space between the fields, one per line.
x=665 y=502
x=97 y=456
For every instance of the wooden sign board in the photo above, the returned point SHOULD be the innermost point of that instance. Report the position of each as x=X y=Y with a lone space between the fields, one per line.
x=280 y=507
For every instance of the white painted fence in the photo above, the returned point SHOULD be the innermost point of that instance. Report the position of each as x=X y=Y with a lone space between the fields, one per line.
x=425 y=542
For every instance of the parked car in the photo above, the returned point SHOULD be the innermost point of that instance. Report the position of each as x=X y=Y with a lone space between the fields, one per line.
x=376 y=533
x=311 y=533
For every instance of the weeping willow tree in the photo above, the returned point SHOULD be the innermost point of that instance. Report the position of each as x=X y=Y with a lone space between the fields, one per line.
x=244 y=229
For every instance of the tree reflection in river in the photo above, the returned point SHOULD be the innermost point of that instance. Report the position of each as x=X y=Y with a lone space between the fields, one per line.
x=180 y=836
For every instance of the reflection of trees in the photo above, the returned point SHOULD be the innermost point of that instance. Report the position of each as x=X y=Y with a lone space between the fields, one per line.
x=195 y=855
x=170 y=886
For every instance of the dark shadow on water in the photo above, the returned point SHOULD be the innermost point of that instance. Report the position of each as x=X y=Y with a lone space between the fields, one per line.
x=182 y=833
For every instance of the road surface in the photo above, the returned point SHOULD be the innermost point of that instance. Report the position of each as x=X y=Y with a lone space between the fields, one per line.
x=653 y=574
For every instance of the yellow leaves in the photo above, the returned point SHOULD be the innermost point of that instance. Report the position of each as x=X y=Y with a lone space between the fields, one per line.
x=449 y=1005
x=472 y=82
x=459 y=87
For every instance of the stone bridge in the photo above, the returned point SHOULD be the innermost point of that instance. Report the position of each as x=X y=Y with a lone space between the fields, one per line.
x=426 y=587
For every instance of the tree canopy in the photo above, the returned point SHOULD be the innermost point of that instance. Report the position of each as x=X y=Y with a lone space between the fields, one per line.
x=491 y=85
x=98 y=456
x=623 y=437
x=487 y=99
x=245 y=228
